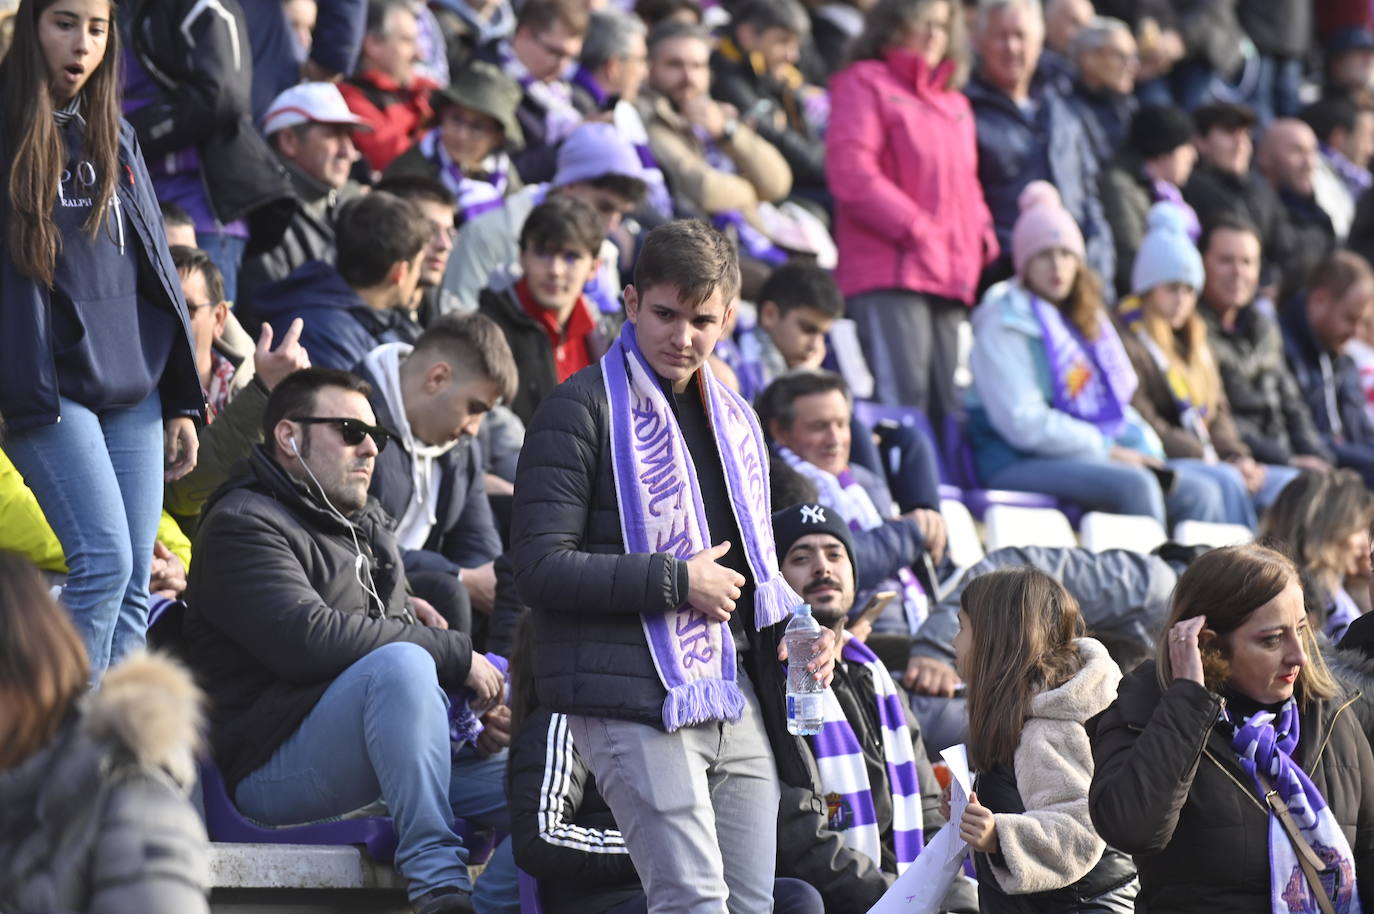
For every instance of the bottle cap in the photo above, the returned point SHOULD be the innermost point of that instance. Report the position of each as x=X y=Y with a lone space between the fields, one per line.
x=801 y=609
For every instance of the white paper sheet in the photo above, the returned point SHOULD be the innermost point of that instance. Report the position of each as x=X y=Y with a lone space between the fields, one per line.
x=926 y=882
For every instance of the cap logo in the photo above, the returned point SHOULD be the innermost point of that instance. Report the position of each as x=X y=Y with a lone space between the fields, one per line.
x=812 y=514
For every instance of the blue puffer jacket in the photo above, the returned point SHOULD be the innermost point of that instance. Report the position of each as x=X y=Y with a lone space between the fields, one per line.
x=339 y=326
x=28 y=371
x=1052 y=146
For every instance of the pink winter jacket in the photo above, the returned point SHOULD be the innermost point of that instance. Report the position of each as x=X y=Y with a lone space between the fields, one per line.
x=902 y=165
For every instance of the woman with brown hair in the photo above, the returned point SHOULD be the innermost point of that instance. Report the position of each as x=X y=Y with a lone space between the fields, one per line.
x=1050 y=409
x=97 y=370
x=1323 y=519
x=1233 y=766
x=1034 y=681
x=93 y=808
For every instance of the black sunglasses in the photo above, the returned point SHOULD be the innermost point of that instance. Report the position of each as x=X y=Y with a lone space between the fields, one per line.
x=353 y=431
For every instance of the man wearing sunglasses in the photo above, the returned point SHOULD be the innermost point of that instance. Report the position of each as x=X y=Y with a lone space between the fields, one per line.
x=327 y=694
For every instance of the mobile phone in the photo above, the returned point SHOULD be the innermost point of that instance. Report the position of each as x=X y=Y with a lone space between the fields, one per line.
x=873 y=608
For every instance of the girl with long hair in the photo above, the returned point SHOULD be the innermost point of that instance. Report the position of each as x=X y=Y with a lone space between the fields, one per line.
x=1323 y=521
x=97 y=371
x=93 y=808
x=1050 y=410
x=1233 y=766
x=1180 y=393
x=911 y=225
x=1034 y=680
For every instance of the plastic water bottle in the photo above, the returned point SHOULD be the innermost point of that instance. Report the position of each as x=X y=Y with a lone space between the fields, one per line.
x=805 y=704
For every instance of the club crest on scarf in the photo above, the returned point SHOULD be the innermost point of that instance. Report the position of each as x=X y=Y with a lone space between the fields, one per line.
x=1264 y=743
x=1092 y=380
x=661 y=511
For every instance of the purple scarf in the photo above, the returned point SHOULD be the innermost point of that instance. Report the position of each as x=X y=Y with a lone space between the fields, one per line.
x=476 y=194
x=1264 y=745
x=661 y=511
x=844 y=774
x=1091 y=381
x=1164 y=191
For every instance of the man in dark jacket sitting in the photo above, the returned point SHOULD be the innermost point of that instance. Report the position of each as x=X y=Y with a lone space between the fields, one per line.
x=823 y=838
x=1316 y=328
x=433 y=397
x=326 y=693
x=642 y=543
x=1266 y=402
x=808 y=416
x=353 y=308
x=553 y=329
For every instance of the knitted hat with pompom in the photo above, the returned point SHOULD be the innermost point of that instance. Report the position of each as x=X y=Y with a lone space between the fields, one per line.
x=1167 y=254
x=1043 y=224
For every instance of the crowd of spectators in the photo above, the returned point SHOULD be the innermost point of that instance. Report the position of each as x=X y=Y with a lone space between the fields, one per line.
x=332 y=333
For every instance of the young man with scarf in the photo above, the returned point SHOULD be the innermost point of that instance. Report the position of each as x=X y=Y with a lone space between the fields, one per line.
x=642 y=541
x=872 y=778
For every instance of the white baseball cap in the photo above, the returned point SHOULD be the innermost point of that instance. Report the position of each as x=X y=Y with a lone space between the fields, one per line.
x=309 y=103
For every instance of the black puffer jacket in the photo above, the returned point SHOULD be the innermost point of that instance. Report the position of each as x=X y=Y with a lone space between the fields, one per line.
x=276 y=613
x=1168 y=790
x=587 y=593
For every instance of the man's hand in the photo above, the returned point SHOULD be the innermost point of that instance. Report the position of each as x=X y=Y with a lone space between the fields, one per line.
x=713 y=589
x=495 y=734
x=495 y=485
x=705 y=112
x=481 y=585
x=182 y=445
x=273 y=366
x=822 y=663
x=312 y=72
x=167 y=576
x=1132 y=457
x=928 y=676
x=1308 y=462
x=426 y=613
x=486 y=682
x=932 y=526
x=1253 y=473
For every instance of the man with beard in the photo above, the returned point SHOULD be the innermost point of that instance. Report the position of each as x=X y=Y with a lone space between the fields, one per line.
x=871 y=776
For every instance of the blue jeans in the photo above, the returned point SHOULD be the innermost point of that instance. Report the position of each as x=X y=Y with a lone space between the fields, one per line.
x=1276 y=95
x=227 y=253
x=1211 y=492
x=1276 y=477
x=381 y=730
x=98 y=479
x=1098 y=485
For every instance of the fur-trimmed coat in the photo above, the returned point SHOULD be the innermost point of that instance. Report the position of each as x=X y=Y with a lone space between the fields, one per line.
x=98 y=820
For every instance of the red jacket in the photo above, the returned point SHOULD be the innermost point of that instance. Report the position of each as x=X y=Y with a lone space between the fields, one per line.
x=902 y=165
x=395 y=113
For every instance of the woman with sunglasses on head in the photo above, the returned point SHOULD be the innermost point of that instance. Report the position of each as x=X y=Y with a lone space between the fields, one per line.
x=97 y=372
x=1233 y=767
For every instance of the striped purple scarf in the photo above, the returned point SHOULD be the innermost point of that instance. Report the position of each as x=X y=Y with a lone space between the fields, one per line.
x=844 y=776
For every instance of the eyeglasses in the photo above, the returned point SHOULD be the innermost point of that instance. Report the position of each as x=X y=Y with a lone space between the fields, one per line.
x=555 y=51
x=353 y=431
x=478 y=124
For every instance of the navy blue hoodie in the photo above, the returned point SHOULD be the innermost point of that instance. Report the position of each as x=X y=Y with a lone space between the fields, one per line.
x=339 y=326
x=52 y=346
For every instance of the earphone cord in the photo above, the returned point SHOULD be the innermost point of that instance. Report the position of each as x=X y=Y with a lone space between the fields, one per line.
x=369 y=589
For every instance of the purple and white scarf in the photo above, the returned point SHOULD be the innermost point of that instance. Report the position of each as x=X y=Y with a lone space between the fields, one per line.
x=752 y=241
x=844 y=776
x=661 y=511
x=1092 y=381
x=476 y=194
x=1264 y=744
x=1356 y=179
x=1170 y=193
x=555 y=98
x=844 y=494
